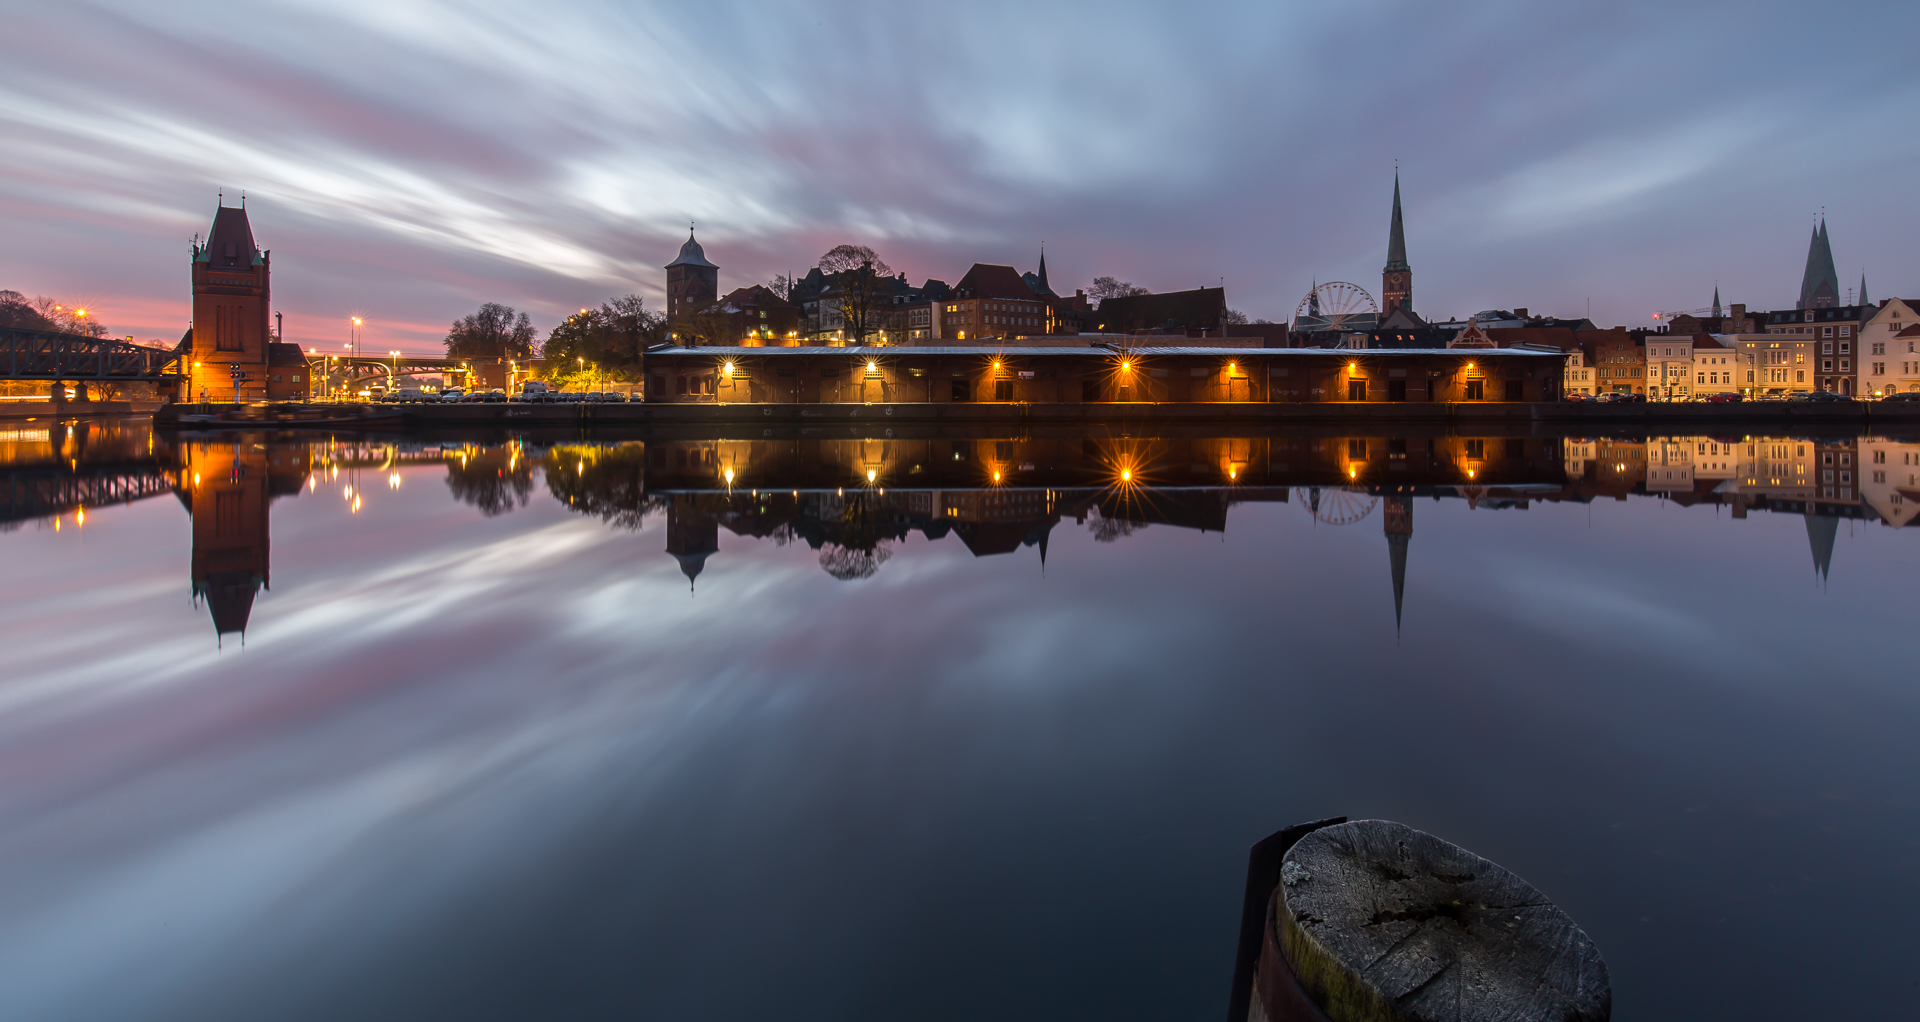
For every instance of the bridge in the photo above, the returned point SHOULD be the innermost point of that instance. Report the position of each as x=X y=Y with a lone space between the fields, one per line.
x=364 y=369
x=44 y=355
x=48 y=490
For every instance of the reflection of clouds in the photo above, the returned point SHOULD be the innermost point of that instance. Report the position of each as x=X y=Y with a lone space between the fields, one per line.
x=441 y=716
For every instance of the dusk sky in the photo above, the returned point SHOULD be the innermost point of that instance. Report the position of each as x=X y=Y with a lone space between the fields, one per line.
x=407 y=161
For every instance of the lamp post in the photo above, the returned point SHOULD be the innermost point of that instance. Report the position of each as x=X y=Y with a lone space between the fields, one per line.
x=396 y=369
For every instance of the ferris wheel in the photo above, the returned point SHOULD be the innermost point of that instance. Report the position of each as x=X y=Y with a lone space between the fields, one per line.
x=1336 y=305
x=1339 y=505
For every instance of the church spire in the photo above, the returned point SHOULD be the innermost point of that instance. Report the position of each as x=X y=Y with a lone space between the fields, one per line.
x=1863 y=289
x=1396 y=280
x=1716 y=301
x=1397 y=235
x=1043 y=269
x=1820 y=285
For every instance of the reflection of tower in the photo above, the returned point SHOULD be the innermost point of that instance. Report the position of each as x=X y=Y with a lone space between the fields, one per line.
x=1821 y=530
x=691 y=536
x=1398 y=525
x=693 y=283
x=1396 y=281
x=225 y=488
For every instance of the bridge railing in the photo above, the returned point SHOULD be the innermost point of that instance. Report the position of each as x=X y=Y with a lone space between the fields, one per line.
x=43 y=355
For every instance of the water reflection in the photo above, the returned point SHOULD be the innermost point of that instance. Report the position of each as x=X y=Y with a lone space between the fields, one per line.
x=486 y=757
x=856 y=500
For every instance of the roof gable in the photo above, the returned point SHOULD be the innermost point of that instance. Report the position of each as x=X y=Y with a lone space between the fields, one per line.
x=986 y=280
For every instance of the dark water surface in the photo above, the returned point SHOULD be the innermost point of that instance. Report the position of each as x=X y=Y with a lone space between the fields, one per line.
x=551 y=728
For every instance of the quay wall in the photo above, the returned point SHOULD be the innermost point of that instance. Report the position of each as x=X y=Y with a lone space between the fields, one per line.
x=1704 y=417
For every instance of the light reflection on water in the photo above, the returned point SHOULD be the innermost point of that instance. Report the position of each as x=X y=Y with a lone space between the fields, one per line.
x=534 y=727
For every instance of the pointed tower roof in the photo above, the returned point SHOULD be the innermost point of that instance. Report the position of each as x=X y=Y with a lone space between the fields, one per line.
x=1863 y=290
x=229 y=596
x=1716 y=301
x=1820 y=273
x=1397 y=521
x=230 y=240
x=1821 y=530
x=1397 y=236
x=1045 y=288
x=691 y=254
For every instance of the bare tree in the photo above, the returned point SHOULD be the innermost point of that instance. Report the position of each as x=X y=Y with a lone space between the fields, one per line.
x=67 y=319
x=781 y=285
x=1108 y=287
x=493 y=332
x=1234 y=316
x=849 y=564
x=16 y=313
x=861 y=288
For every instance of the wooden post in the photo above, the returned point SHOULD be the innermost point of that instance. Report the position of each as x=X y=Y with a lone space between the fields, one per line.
x=1372 y=921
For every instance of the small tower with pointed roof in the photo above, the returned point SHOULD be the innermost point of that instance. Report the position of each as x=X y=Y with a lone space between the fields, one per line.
x=693 y=283
x=232 y=299
x=1396 y=281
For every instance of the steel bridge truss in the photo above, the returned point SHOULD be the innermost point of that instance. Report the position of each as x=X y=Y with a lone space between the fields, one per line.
x=32 y=494
x=41 y=355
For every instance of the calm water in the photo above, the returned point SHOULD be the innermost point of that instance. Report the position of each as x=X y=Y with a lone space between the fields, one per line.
x=542 y=727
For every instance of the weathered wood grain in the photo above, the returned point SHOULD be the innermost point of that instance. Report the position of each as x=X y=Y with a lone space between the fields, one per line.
x=1384 y=923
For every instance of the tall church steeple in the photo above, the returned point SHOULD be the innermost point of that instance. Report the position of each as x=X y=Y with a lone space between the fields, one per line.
x=1716 y=301
x=1396 y=281
x=1820 y=285
x=1863 y=290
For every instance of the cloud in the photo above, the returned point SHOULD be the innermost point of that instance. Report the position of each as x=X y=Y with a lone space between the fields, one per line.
x=408 y=160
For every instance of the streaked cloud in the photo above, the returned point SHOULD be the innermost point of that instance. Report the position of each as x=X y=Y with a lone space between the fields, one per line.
x=408 y=160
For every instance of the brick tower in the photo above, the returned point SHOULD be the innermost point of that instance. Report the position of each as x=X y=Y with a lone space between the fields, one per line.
x=692 y=282
x=231 y=301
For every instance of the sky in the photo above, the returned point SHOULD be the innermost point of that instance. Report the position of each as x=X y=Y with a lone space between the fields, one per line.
x=406 y=161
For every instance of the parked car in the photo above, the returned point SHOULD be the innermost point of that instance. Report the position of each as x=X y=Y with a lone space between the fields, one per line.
x=1728 y=397
x=1576 y=396
x=452 y=394
x=1907 y=398
x=1818 y=397
x=1623 y=399
x=496 y=396
x=407 y=395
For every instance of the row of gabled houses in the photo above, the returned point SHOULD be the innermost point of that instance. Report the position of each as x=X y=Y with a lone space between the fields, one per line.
x=990 y=304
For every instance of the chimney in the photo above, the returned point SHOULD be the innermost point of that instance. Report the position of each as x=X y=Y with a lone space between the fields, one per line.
x=1520 y=311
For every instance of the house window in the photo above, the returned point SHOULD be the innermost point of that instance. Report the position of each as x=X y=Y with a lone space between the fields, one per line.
x=1846 y=331
x=1827 y=348
x=1826 y=331
x=1879 y=369
x=1879 y=347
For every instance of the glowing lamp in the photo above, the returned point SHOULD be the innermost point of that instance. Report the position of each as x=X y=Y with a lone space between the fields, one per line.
x=870 y=475
x=1126 y=475
x=996 y=477
x=872 y=366
x=729 y=474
